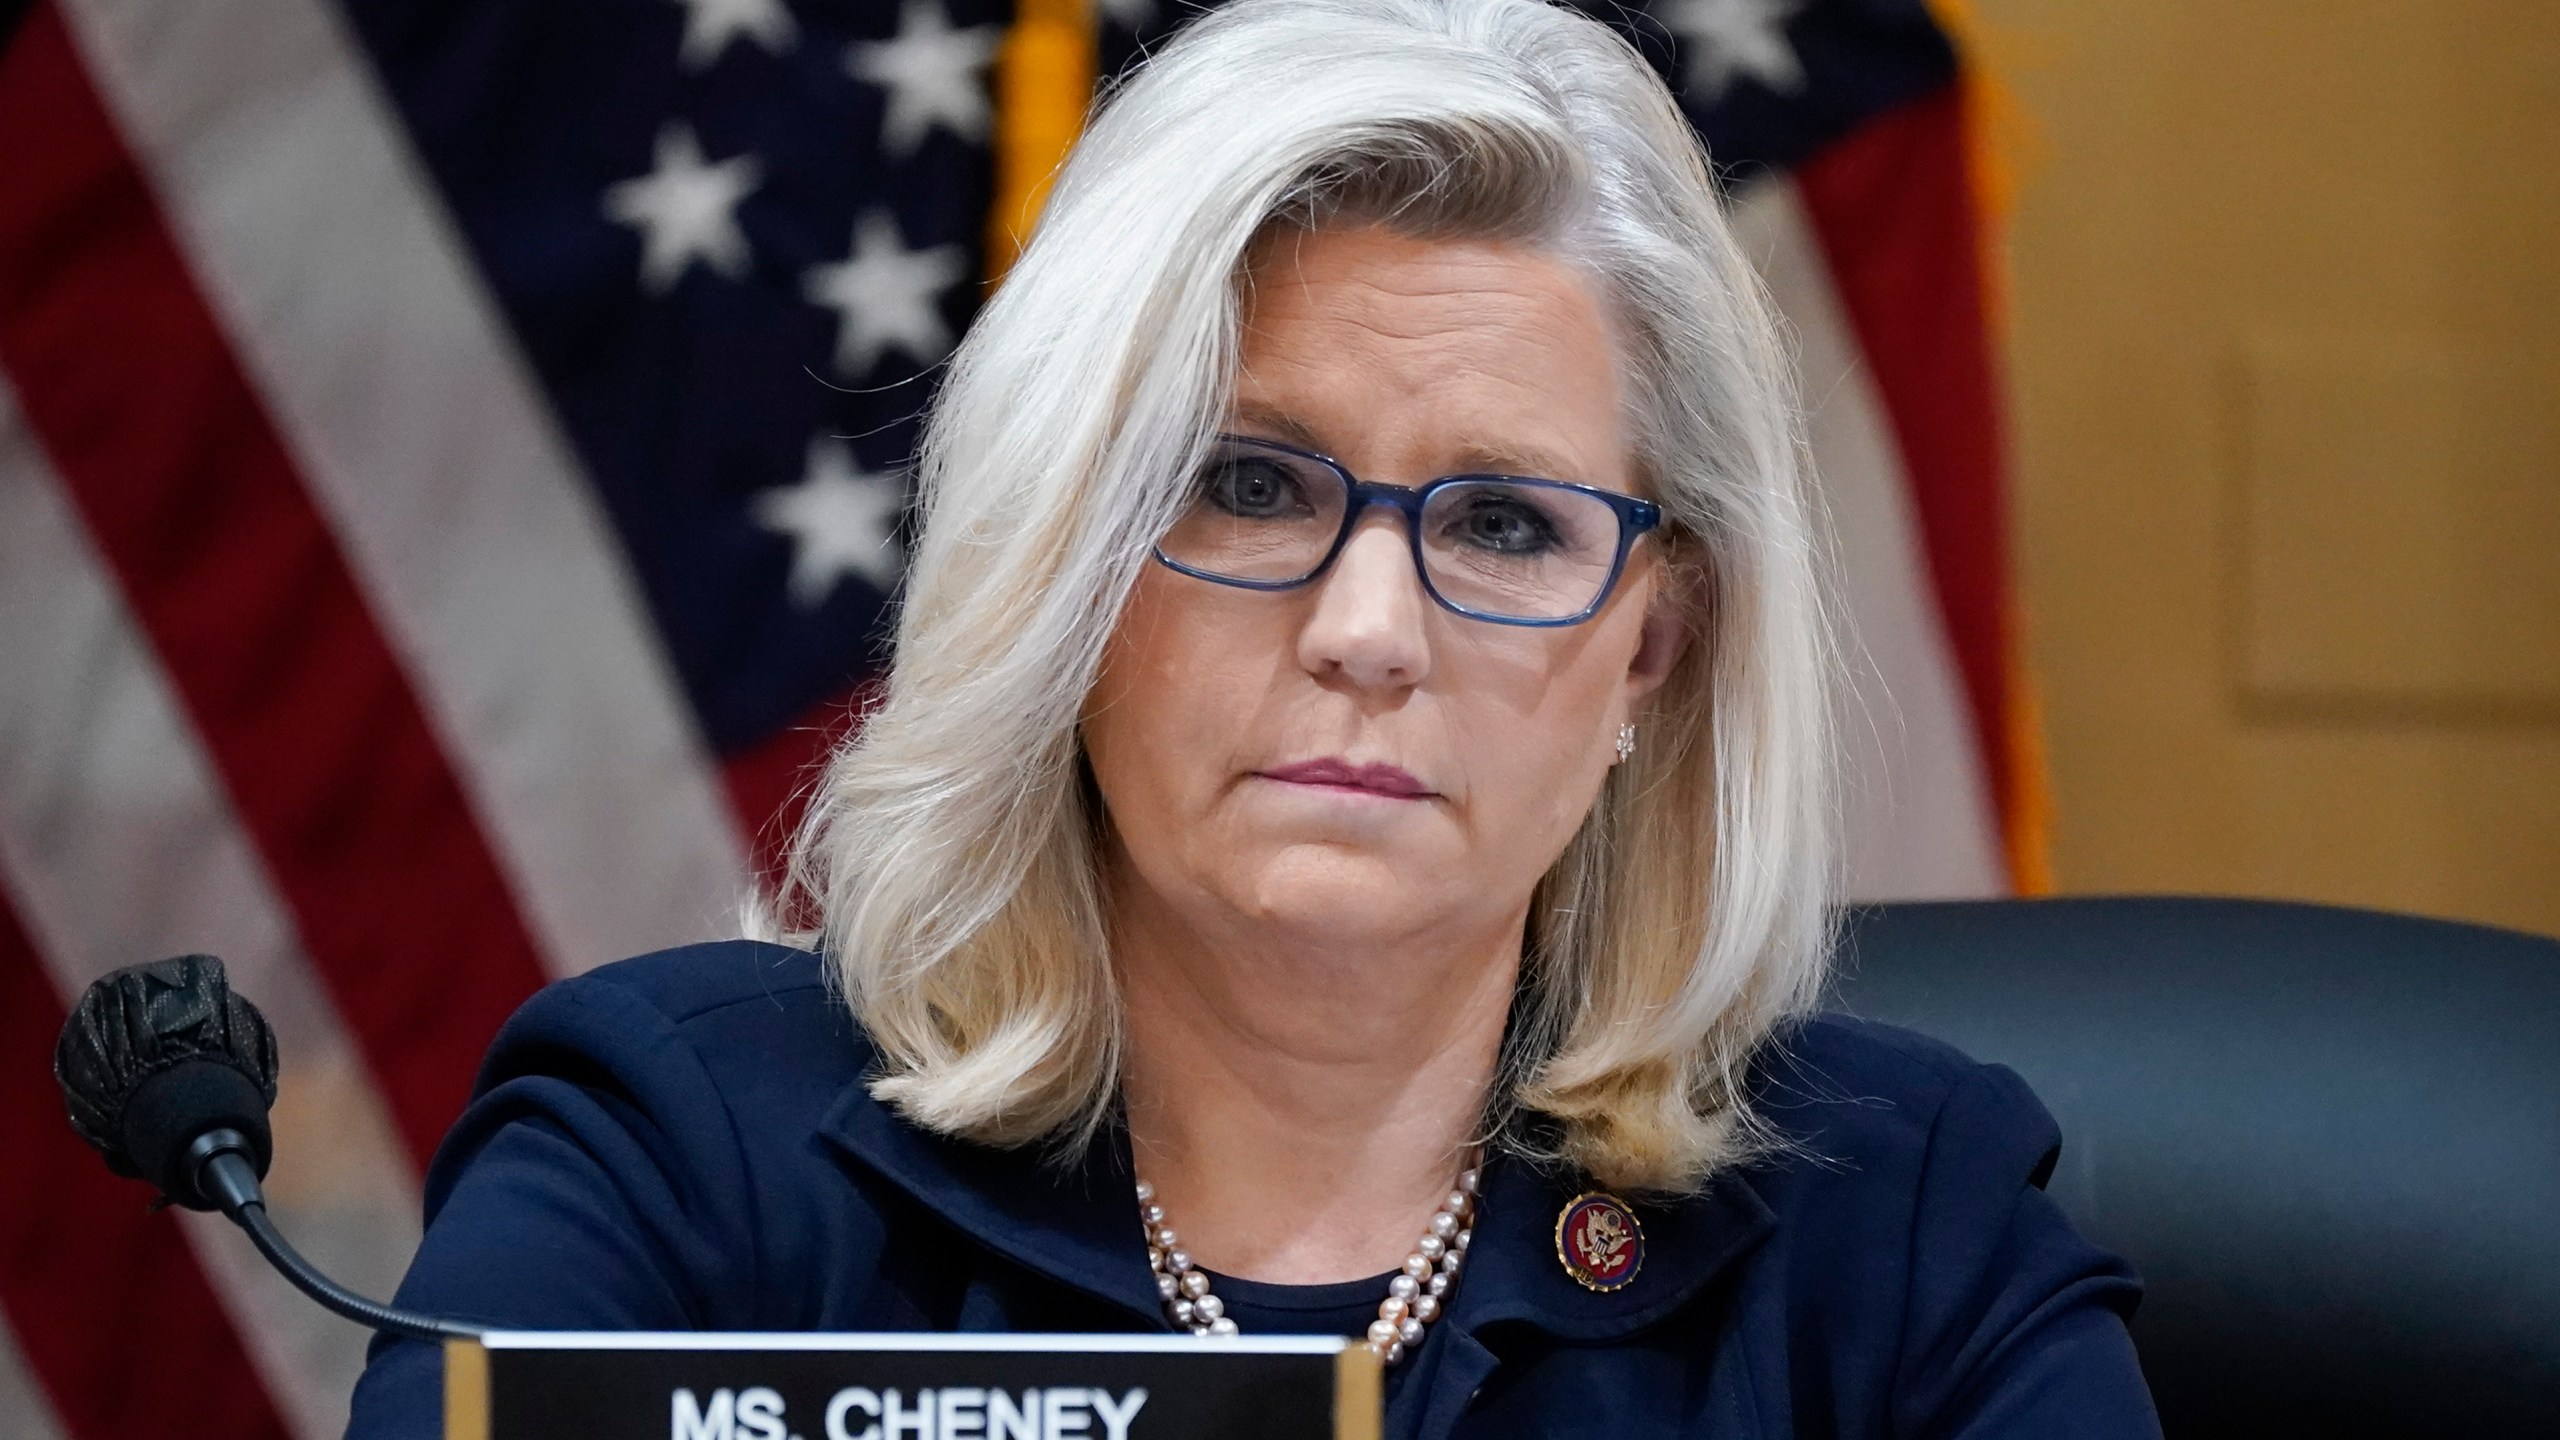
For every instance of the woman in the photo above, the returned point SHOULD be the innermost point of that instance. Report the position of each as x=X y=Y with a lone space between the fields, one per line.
x=1345 y=844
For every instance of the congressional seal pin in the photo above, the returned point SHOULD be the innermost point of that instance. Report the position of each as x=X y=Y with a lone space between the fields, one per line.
x=1599 y=1241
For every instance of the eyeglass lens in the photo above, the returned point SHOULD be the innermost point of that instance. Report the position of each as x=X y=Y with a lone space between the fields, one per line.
x=1504 y=548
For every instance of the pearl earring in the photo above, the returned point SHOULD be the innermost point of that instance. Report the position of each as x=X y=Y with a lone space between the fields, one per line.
x=1626 y=742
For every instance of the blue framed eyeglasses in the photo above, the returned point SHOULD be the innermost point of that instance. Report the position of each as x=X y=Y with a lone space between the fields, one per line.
x=1503 y=548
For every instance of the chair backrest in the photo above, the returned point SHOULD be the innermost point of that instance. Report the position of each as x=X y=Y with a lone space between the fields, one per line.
x=2329 y=1139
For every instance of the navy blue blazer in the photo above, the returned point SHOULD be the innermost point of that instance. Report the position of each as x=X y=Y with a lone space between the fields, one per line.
x=683 y=1141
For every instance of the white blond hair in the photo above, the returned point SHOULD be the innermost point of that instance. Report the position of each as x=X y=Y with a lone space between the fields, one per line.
x=948 y=862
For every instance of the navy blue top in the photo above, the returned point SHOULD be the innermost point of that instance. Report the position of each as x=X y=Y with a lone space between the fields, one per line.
x=683 y=1141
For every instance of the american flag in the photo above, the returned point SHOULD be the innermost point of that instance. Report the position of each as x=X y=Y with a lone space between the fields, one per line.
x=452 y=472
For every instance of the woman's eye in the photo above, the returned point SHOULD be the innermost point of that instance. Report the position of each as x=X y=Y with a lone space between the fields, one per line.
x=1251 y=488
x=1505 y=524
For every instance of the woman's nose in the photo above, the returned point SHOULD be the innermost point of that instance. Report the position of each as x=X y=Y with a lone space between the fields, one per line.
x=1368 y=624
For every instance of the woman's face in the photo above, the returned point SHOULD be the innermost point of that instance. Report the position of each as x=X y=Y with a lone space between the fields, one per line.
x=1347 y=761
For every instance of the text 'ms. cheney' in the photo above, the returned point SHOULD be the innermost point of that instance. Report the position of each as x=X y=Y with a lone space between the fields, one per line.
x=954 y=1412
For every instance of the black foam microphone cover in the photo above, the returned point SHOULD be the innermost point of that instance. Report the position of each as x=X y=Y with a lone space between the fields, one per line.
x=155 y=1057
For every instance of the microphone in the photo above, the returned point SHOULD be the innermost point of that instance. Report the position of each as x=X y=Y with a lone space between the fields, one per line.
x=168 y=1074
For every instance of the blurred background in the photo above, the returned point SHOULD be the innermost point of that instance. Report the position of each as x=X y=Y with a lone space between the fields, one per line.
x=453 y=480
x=2284 y=361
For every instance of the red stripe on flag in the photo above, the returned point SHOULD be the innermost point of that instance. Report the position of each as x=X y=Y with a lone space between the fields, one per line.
x=125 y=377
x=1893 y=205
x=770 y=783
x=108 y=1304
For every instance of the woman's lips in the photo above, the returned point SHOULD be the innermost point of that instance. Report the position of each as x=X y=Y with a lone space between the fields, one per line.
x=1375 y=779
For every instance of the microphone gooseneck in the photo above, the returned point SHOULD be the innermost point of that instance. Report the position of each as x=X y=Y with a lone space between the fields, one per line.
x=168 y=1074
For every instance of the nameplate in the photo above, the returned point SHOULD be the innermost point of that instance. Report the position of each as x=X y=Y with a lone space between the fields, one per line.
x=546 y=1385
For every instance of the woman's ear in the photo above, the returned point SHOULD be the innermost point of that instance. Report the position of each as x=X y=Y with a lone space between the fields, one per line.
x=1666 y=631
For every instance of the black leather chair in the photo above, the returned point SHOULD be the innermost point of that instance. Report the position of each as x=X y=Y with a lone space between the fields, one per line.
x=2329 y=1139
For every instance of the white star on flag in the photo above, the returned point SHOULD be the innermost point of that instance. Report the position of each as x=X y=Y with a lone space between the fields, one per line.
x=842 y=520
x=1723 y=39
x=931 y=72
x=686 y=210
x=887 y=296
x=709 y=26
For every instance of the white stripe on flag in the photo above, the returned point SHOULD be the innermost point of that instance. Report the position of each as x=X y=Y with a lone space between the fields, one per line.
x=355 y=307
x=1919 y=818
x=25 y=1412
x=120 y=847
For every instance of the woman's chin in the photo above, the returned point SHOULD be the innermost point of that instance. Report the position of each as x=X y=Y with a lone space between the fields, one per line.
x=1338 y=893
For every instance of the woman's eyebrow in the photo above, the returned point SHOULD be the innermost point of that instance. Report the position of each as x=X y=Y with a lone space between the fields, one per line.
x=1506 y=458
x=1279 y=425
x=1472 y=457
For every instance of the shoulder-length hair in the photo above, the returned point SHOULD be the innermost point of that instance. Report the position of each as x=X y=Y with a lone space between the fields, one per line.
x=948 y=859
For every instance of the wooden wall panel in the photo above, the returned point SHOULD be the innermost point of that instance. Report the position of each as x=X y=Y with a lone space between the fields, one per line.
x=2285 y=347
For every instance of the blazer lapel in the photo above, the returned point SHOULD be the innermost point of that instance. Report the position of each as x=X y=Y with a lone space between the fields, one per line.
x=1515 y=1281
x=1076 y=1223
x=1515 y=1275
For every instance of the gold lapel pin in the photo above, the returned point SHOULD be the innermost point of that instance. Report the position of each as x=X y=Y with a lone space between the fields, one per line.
x=1598 y=1241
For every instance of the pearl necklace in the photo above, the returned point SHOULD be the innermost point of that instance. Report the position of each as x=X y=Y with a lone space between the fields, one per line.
x=1416 y=1294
